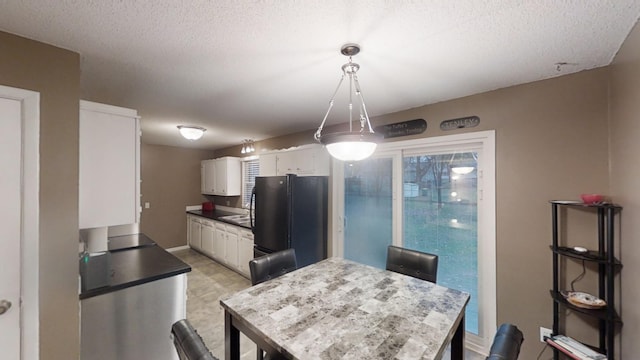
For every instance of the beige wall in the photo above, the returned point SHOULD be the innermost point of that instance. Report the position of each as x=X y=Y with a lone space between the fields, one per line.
x=625 y=172
x=55 y=74
x=551 y=143
x=170 y=182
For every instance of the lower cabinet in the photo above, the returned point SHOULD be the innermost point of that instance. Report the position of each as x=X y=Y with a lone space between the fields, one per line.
x=195 y=232
x=219 y=241
x=231 y=249
x=228 y=244
x=245 y=251
x=206 y=237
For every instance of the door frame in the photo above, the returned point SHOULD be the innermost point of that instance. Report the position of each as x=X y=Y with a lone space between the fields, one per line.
x=30 y=229
x=486 y=223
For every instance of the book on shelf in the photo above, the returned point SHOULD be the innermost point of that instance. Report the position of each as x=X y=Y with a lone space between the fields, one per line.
x=574 y=349
x=561 y=349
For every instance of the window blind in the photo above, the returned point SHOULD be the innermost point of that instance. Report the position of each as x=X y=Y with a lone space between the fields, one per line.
x=250 y=169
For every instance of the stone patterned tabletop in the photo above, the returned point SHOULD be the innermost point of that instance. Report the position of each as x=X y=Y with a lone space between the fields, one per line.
x=339 y=309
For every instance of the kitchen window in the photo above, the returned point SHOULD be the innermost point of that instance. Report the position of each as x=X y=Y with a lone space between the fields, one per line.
x=250 y=169
x=435 y=195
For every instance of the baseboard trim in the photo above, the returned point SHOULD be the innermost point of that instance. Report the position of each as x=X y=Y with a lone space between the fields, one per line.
x=178 y=248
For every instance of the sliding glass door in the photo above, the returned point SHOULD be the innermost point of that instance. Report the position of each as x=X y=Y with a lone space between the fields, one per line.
x=440 y=216
x=368 y=210
x=434 y=195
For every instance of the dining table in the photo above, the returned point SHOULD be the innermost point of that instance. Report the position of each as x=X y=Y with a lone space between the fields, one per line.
x=341 y=309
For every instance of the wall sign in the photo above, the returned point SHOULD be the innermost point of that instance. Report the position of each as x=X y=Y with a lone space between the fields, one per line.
x=405 y=128
x=460 y=123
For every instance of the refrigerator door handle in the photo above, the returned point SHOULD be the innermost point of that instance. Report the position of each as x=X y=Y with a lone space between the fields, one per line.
x=251 y=202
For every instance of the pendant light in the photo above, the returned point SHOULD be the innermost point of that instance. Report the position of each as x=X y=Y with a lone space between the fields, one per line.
x=351 y=145
x=247 y=146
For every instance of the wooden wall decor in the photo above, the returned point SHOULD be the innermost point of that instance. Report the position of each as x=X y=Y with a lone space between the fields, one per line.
x=460 y=123
x=404 y=128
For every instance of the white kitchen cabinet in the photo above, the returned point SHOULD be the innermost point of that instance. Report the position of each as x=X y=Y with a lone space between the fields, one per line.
x=228 y=172
x=231 y=249
x=245 y=251
x=228 y=244
x=268 y=164
x=219 y=241
x=221 y=176
x=207 y=176
x=206 y=237
x=195 y=233
x=109 y=166
x=308 y=160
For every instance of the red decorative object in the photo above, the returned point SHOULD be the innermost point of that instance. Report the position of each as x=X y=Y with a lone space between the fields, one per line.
x=208 y=206
x=591 y=198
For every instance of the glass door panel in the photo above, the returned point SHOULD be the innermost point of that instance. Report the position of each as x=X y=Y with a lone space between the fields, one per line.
x=440 y=216
x=368 y=205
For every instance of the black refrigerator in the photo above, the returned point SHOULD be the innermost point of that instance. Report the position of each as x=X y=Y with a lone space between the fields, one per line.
x=290 y=212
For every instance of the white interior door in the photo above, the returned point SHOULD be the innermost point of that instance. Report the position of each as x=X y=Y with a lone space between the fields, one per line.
x=10 y=225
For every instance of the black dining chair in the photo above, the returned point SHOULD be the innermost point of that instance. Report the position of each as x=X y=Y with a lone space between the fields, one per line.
x=414 y=263
x=506 y=343
x=272 y=265
x=269 y=267
x=188 y=342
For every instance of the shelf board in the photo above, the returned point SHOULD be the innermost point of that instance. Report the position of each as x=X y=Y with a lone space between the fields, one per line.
x=559 y=347
x=576 y=203
x=601 y=314
x=589 y=256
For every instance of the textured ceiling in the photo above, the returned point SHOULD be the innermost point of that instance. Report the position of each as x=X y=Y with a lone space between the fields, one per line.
x=258 y=69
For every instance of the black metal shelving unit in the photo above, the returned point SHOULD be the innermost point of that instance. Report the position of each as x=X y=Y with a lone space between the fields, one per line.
x=608 y=266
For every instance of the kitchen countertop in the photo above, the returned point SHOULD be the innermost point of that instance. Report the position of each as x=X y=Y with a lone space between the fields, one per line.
x=134 y=266
x=216 y=215
x=124 y=242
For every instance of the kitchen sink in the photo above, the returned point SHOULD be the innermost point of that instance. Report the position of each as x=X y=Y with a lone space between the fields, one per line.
x=240 y=219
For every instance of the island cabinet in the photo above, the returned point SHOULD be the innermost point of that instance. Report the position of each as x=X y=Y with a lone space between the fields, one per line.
x=109 y=170
x=221 y=176
x=307 y=160
x=128 y=306
x=604 y=266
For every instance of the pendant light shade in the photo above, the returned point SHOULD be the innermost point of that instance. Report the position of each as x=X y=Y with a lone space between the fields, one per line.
x=351 y=145
x=462 y=170
x=191 y=132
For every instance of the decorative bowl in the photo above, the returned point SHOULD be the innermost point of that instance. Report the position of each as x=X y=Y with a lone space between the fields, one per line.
x=585 y=300
x=591 y=198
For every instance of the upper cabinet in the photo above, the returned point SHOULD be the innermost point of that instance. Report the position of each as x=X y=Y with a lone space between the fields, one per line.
x=308 y=160
x=207 y=176
x=109 y=178
x=221 y=176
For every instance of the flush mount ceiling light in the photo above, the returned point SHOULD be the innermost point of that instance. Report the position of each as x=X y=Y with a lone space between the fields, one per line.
x=351 y=145
x=191 y=132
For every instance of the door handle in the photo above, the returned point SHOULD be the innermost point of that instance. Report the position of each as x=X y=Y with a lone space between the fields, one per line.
x=4 y=306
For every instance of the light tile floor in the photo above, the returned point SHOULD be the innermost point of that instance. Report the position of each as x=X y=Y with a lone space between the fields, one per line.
x=209 y=281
